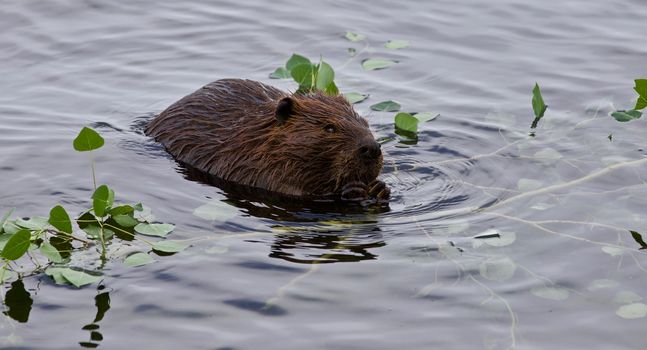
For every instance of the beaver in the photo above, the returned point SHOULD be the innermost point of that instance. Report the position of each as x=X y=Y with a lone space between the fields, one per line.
x=309 y=145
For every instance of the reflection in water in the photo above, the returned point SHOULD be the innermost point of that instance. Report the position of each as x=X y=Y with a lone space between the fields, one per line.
x=325 y=247
x=278 y=207
x=18 y=302
x=102 y=302
x=333 y=242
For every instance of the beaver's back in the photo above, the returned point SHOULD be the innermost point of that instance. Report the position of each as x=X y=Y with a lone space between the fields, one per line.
x=194 y=127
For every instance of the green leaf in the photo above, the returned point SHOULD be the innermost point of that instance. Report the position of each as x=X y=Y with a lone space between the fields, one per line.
x=4 y=219
x=94 y=232
x=396 y=44
x=17 y=245
x=355 y=97
x=169 y=246
x=625 y=116
x=143 y=213
x=122 y=209
x=79 y=278
x=332 y=89
x=88 y=140
x=354 y=37
x=498 y=268
x=296 y=60
x=36 y=223
x=159 y=230
x=101 y=200
x=426 y=116
x=138 y=259
x=639 y=239
x=632 y=311
x=303 y=74
x=538 y=105
x=551 y=293
x=56 y=274
x=280 y=73
x=325 y=76
x=125 y=220
x=10 y=227
x=51 y=253
x=386 y=106
x=58 y=218
x=377 y=63
x=406 y=122
x=640 y=103
x=641 y=89
x=7 y=275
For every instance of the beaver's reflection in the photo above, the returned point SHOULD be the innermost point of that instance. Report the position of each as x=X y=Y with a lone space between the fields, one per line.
x=319 y=236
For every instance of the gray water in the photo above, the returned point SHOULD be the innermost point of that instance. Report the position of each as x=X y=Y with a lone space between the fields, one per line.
x=280 y=276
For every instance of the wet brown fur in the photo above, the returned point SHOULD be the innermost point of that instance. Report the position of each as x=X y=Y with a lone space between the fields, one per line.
x=229 y=129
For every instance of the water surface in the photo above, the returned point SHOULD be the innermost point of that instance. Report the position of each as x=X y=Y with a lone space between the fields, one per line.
x=282 y=276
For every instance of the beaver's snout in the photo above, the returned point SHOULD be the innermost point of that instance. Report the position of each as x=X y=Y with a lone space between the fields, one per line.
x=370 y=150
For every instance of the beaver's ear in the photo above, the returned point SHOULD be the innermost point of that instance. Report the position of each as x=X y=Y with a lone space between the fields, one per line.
x=284 y=109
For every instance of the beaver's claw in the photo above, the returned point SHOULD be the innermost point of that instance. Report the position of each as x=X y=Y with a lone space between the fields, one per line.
x=357 y=191
x=354 y=191
x=378 y=190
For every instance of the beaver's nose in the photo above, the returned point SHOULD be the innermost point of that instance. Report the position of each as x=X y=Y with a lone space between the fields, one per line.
x=370 y=150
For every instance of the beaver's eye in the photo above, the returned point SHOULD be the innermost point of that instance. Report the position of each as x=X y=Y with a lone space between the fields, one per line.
x=330 y=128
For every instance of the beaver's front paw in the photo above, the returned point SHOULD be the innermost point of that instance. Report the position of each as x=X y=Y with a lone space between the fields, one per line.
x=378 y=190
x=354 y=191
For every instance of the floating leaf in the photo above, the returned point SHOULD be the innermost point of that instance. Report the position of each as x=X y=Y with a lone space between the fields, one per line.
x=36 y=223
x=641 y=89
x=354 y=37
x=538 y=105
x=101 y=200
x=626 y=116
x=280 y=73
x=217 y=249
x=632 y=311
x=216 y=210
x=377 y=63
x=138 y=259
x=158 y=230
x=325 y=76
x=640 y=103
x=79 y=278
x=10 y=227
x=125 y=220
x=452 y=229
x=58 y=218
x=526 y=185
x=17 y=245
x=332 y=89
x=613 y=251
x=4 y=219
x=57 y=274
x=601 y=284
x=303 y=74
x=167 y=246
x=296 y=60
x=94 y=232
x=548 y=154
x=122 y=209
x=426 y=116
x=627 y=297
x=396 y=44
x=386 y=106
x=552 y=293
x=51 y=253
x=88 y=140
x=143 y=213
x=352 y=51
x=498 y=268
x=639 y=239
x=355 y=97
x=7 y=275
x=406 y=122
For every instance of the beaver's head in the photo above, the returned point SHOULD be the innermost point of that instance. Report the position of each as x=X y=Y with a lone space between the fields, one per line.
x=325 y=142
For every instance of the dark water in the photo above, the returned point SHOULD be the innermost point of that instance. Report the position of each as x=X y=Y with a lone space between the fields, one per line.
x=280 y=276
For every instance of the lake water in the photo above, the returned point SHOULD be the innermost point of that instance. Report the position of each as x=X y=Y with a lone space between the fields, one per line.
x=561 y=270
